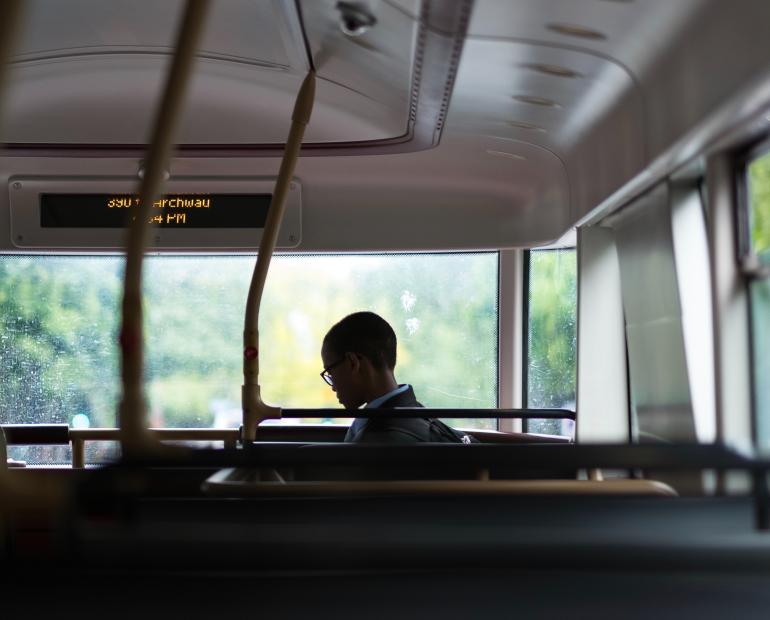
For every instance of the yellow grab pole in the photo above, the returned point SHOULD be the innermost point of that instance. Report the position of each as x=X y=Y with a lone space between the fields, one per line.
x=134 y=435
x=254 y=410
x=78 y=453
x=10 y=17
x=3 y=458
x=16 y=498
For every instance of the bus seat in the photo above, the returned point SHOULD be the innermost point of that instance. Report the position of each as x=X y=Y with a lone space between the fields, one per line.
x=234 y=482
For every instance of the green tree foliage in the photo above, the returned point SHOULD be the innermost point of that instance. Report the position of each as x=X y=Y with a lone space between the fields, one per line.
x=57 y=329
x=552 y=332
x=759 y=200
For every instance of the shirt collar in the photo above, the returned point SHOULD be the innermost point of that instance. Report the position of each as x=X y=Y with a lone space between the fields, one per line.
x=378 y=401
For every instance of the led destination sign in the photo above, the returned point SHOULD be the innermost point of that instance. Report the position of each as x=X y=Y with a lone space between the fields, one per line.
x=171 y=211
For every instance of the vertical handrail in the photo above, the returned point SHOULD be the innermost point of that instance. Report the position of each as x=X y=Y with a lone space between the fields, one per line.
x=254 y=410
x=78 y=447
x=10 y=17
x=132 y=411
x=3 y=459
x=14 y=497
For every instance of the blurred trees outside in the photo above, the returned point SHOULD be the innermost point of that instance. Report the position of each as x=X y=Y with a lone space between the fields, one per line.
x=59 y=320
x=57 y=335
x=552 y=334
x=759 y=200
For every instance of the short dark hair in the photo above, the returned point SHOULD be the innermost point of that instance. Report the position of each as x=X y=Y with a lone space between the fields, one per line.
x=367 y=334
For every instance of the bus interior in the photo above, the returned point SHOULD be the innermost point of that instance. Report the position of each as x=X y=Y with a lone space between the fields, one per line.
x=561 y=206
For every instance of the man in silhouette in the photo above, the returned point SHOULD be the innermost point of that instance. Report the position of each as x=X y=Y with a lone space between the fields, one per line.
x=359 y=358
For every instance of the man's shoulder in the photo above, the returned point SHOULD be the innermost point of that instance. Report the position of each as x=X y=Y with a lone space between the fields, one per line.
x=398 y=430
x=405 y=398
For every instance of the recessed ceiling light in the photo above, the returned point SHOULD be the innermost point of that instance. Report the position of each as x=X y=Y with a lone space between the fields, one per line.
x=577 y=31
x=541 y=101
x=355 y=18
x=552 y=70
x=528 y=126
x=506 y=155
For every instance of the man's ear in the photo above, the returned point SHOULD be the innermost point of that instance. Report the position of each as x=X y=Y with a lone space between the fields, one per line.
x=354 y=359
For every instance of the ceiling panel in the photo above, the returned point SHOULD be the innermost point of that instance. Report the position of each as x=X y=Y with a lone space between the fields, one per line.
x=89 y=72
x=535 y=93
x=628 y=31
x=240 y=29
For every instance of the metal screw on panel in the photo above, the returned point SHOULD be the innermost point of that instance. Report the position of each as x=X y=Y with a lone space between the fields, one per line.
x=19 y=237
x=292 y=238
x=17 y=185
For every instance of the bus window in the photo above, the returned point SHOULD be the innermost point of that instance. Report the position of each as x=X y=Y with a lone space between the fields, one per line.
x=59 y=316
x=758 y=250
x=759 y=207
x=551 y=336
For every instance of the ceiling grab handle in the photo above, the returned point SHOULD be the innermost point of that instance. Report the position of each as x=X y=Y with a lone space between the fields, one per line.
x=134 y=435
x=254 y=410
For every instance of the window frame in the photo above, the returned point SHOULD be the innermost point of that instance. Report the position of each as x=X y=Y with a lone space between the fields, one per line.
x=750 y=266
x=509 y=329
x=525 y=337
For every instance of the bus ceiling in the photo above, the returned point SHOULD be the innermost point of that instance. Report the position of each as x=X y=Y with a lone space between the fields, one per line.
x=485 y=124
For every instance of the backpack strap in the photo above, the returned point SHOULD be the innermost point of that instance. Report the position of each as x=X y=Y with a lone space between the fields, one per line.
x=447 y=434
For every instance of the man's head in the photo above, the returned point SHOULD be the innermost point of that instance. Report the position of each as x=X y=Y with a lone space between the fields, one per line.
x=359 y=355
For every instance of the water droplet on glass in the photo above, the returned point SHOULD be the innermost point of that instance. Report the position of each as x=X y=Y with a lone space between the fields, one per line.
x=412 y=325
x=408 y=299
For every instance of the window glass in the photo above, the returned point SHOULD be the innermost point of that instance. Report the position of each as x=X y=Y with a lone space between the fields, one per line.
x=59 y=319
x=95 y=452
x=760 y=327
x=758 y=184
x=759 y=206
x=552 y=336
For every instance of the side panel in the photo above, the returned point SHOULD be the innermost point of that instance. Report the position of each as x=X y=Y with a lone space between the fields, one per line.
x=660 y=392
x=602 y=391
x=731 y=315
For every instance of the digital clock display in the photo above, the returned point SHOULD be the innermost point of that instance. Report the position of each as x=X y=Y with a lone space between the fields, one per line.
x=171 y=211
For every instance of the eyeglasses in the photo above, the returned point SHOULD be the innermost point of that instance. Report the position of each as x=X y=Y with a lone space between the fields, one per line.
x=325 y=372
